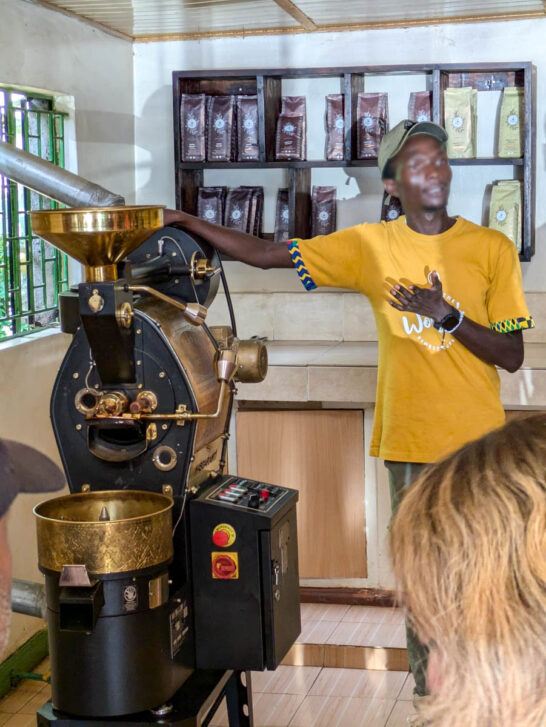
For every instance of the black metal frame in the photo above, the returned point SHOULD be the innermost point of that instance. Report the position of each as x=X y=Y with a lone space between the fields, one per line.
x=193 y=705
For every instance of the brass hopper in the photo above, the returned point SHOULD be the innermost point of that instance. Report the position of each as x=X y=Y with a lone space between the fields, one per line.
x=98 y=237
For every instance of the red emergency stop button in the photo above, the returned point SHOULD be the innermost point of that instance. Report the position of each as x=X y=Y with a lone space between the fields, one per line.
x=223 y=535
x=264 y=494
x=220 y=538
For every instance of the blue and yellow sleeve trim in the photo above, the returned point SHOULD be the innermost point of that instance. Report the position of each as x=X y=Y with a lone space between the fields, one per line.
x=512 y=324
x=297 y=260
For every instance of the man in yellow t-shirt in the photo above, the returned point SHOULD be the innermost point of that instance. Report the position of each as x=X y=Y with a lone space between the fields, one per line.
x=447 y=299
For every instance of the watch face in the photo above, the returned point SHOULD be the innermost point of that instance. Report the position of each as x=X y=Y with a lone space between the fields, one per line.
x=449 y=322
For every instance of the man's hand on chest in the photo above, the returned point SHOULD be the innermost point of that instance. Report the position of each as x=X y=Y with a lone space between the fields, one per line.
x=424 y=301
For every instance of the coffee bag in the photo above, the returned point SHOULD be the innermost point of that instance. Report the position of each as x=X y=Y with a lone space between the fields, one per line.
x=323 y=210
x=291 y=129
x=247 y=128
x=391 y=208
x=460 y=121
x=505 y=211
x=420 y=106
x=282 y=217
x=511 y=123
x=219 y=128
x=192 y=127
x=255 y=217
x=335 y=127
x=210 y=204
x=238 y=202
x=372 y=123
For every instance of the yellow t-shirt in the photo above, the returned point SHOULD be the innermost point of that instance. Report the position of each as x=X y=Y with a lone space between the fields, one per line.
x=431 y=399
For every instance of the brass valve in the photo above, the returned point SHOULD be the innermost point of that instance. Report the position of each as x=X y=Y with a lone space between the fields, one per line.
x=146 y=402
x=112 y=403
x=201 y=268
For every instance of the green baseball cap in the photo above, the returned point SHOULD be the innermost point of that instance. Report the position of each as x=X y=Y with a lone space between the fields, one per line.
x=395 y=139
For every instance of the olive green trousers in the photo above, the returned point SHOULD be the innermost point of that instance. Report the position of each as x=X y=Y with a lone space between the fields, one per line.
x=401 y=475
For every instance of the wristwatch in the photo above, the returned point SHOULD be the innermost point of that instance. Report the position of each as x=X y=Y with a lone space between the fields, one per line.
x=451 y=321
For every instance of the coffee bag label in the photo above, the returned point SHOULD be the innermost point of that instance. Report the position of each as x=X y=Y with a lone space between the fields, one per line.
x=420 y=106
x=192 y=127
x=323 y=210
x=282 y=217
x=247 y=128
x=335 y=127
x=506 y=210
x=220 y=127
x=511 y=123
x=372 y=123
x=460 y=122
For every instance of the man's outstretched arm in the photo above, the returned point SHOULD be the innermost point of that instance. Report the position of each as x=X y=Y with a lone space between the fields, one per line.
x=238 y=245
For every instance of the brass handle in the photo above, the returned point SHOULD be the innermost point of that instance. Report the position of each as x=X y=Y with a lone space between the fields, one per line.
x=194 y=313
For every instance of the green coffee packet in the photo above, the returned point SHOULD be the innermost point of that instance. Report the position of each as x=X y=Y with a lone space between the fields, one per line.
x=511 y=123
x=460 y=121
x=505 y=210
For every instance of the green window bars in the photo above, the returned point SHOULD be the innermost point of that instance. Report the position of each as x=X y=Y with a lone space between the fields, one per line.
x=32 y=272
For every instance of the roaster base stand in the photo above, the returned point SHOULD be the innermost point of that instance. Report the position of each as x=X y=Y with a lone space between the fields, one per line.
x=194 y=705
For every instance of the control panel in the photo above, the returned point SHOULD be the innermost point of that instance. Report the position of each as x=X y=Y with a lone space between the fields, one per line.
x=245 y=493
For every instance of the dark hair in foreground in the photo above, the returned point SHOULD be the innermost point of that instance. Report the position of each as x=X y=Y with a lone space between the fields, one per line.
x=469 y=550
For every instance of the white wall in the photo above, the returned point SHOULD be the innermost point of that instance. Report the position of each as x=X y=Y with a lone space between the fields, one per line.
x=476 y=42
x=46 y=50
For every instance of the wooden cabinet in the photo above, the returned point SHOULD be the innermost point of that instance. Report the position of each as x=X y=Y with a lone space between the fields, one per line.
x=321 y=454
x=267 y=84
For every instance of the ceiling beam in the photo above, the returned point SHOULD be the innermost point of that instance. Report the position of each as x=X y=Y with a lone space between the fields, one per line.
x=57 y=9
x=339 y=28
x=298 y=14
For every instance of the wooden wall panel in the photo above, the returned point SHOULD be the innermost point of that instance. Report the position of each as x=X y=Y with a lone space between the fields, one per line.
x=321 y=454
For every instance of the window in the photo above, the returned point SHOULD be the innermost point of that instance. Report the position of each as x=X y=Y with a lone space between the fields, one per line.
x=32 y=272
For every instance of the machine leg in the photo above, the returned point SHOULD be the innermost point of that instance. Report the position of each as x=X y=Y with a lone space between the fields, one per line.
x=239 y=700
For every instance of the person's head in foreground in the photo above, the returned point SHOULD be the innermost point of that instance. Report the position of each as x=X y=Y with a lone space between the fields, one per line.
x=22 y=469
x=469 y=550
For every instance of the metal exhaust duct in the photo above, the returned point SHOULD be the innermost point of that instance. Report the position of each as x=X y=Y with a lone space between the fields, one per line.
x=28 y=598
x=52 y=181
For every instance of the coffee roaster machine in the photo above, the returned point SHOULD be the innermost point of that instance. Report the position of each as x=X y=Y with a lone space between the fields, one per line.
x=167 y=580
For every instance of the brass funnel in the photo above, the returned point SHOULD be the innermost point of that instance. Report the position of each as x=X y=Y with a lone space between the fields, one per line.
x=98 y=237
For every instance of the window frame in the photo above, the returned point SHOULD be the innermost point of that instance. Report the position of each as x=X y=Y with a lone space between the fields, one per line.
x=32 y=272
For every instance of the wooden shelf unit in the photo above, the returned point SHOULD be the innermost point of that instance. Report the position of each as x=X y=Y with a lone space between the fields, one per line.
x=266 y=84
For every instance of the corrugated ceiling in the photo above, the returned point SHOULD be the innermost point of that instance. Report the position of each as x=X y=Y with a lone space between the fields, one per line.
x=147 y=20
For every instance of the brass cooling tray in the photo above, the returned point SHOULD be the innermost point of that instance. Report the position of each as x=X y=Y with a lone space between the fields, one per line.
x=138 y=534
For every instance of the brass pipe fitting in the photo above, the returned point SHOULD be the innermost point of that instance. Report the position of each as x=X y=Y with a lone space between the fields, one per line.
x=194 y=313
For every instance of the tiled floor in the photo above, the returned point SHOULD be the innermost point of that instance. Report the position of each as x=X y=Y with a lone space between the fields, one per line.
x=299 y=696
x=352 y=625
x=308 y=696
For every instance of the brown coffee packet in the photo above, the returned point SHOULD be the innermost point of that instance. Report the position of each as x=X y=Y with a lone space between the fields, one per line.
x=210 y=204
x=420 y=106
x=291 y=129
x=505 y=210
x=247 y=128
x=282 y=217
x=335 y=127
x=391 y=208
x=255 y=218
x=372 y=123
x=219 y=128
x=192 y=127
x=238 y=202
x=460 y=122
x=511 y=123
x=323 y=210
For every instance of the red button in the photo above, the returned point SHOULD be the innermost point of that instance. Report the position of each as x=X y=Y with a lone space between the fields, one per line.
x=264 y=494
x=220 y=538
x=224 y=567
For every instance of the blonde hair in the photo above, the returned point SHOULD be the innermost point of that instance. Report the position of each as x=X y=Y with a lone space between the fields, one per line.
x=469 y=551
